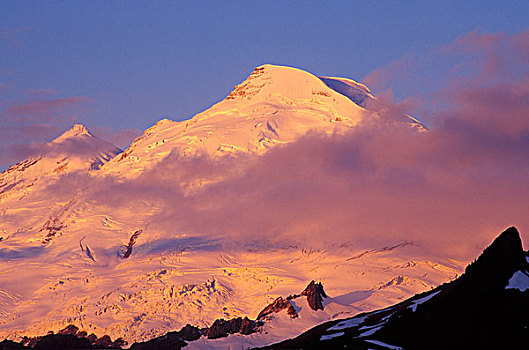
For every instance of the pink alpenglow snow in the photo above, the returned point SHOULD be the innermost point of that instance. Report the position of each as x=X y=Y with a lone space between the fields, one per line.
x=291 y=178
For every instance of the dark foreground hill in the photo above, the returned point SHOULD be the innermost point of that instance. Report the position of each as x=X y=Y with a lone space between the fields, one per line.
x=487 y=307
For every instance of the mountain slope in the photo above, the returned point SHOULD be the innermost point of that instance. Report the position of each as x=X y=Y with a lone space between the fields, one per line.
x=485 y=307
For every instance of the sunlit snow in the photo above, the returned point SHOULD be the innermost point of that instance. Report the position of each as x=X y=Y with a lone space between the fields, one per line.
x=65 y=257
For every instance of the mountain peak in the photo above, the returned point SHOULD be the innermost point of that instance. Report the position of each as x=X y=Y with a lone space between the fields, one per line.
x=76 y=149
x=274 y=105
x=295 y=83
x=499 y=261
x=508 y=243
x=161 y=124
x=76 y=130
x=273 y=81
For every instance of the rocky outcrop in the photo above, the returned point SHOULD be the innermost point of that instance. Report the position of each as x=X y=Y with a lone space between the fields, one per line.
x=249 y=326
x=190 y=333
x=92 y=337
x=62 y=341
x=53 y=227
x=132 y=241
x=171 y=340
x=276 y=306
x=70 y=329
x=222 y=328
x=11 y=345
x=103 y=342
x=71 y=338
x=248 y=88
x=315 y=294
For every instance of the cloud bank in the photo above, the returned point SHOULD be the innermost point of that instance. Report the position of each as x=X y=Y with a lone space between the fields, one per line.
x=451 y=189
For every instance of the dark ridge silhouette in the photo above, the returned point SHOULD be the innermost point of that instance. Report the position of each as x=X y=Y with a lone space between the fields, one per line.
x=171 y=340
x=70 y=338
x=474 y=311
x=62 y=341
x=497 y=263
x=11 y=345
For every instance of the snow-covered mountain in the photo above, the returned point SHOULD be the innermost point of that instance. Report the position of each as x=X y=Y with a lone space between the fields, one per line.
x=74 y=150
x=274 y=105
x=100 y=239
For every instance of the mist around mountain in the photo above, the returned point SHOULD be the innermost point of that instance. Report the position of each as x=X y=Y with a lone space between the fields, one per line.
x=291 y=178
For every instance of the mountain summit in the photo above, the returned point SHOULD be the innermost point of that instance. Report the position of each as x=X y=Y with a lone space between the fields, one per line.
x=270 y=82
x=76 y=130
x=273 y=106
x=74 y=150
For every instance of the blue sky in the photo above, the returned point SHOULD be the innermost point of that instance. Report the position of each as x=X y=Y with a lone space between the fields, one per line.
x=119 y=66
